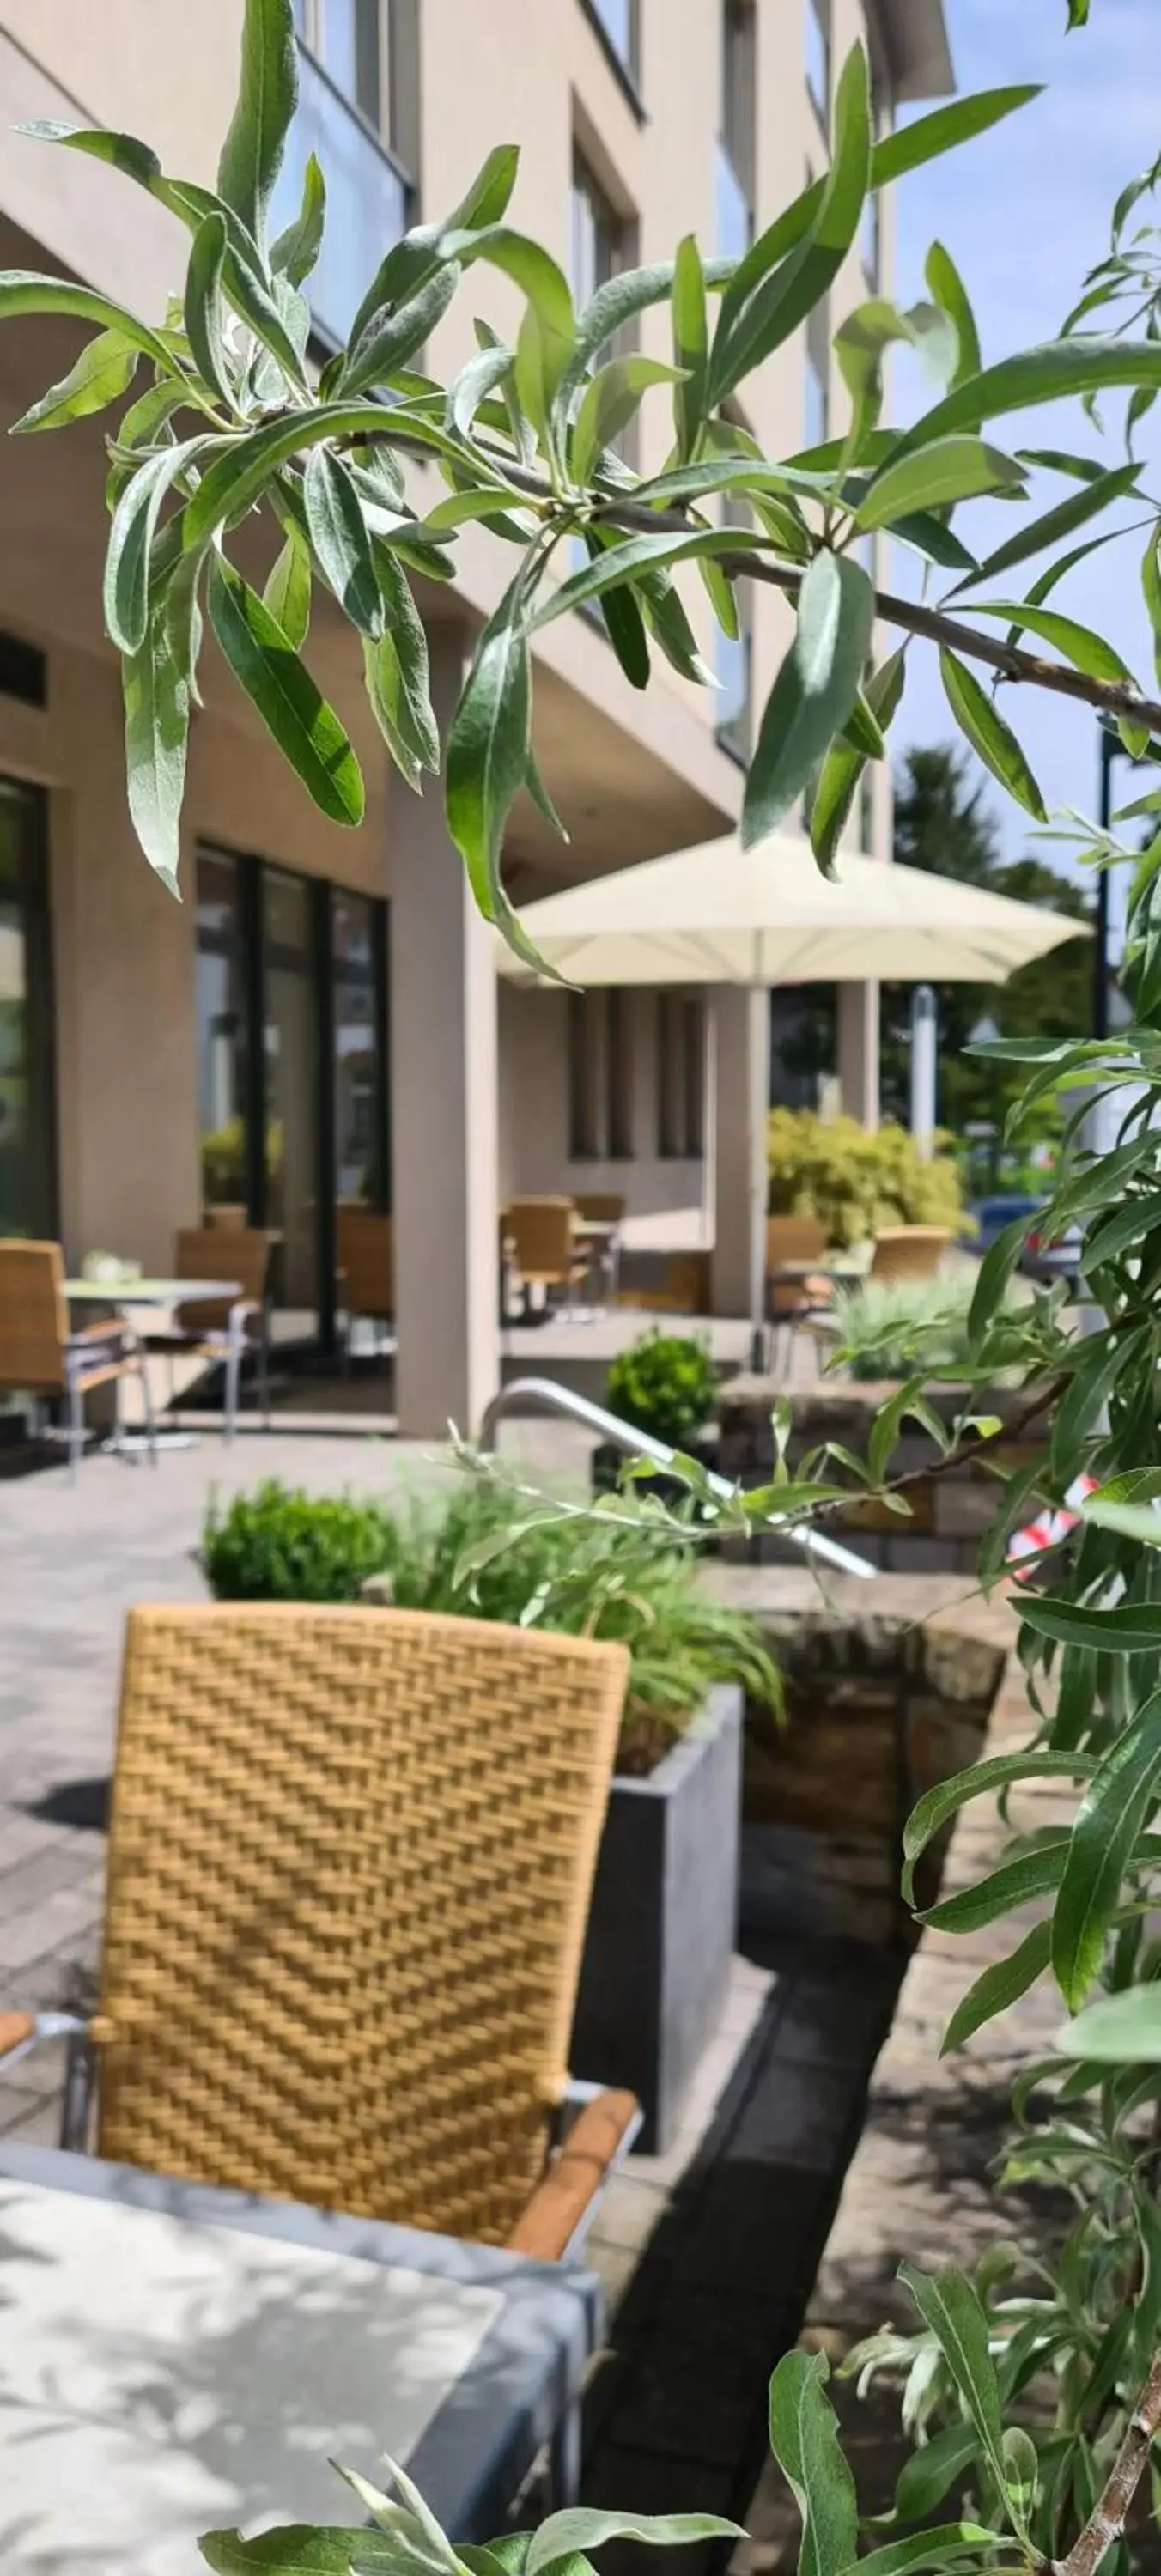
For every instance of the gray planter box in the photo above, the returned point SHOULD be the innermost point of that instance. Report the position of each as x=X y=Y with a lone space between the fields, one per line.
x=663 y=1919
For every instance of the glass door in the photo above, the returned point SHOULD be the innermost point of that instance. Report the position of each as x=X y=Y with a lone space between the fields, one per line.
x=27 y=1060
x=290 y=1046
x=360 y=1075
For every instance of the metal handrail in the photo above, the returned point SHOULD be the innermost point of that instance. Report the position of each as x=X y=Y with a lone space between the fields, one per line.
x=550 y=1397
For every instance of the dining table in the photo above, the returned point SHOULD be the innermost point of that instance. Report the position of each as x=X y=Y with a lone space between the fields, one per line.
x=119 y=1296
x=178 y=2359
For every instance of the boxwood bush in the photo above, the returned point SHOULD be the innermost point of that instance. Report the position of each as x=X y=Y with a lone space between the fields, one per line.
x=856 y=1183
x=665 y=1384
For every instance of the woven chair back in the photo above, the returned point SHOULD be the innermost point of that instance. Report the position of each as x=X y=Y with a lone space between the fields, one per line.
x=349 y=1872
x=909 y=1252
x=540 y=1233
x=238 y=1252
x=367 y=1260
x=34 y=1319
x=791 y=1238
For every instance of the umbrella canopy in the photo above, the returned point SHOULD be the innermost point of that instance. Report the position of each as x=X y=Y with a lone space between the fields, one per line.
x=719 y=914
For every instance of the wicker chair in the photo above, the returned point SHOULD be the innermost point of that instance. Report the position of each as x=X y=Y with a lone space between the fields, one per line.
x=223 y=1330
x=539 y=1245
x=604 y=1207
x=366 y=1260
x=349 y=1872
x=791 y=1303
x=39 y=1355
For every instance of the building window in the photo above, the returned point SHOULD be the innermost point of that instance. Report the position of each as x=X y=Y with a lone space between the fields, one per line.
x=600 y=1077
x=358 y=113
x=818 y=375
x=818 y=58
x=348 y=38
x=27 y=1054
x=873 y=210
x=680 y=1076
x=736 y=145
x=620 y=24
x=600 y=248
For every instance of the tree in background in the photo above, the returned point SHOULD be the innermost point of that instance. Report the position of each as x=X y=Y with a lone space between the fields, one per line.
x=943 y=823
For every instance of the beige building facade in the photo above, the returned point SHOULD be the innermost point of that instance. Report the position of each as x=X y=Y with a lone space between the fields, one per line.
x=318 y=1019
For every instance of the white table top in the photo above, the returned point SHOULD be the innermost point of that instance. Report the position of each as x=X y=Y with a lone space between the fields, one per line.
x=147 y=1292
x=161 y=2376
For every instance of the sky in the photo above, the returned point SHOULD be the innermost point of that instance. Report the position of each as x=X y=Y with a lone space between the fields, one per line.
x=1024 y=212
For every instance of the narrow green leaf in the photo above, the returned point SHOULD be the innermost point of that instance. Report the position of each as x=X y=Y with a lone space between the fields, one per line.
x=1127 y=1520
x=126 y=582
x=305 y=728
x=541 y=798
x=1127 y=1225
x=1047 y=374
x=1015 y=1883
x=950 y=469
x=156 y=738
x=989 y=735
x=548 y=331
x=814 y=693
x=1134 y=1629
x=1061 y=521
x=302 y=2549
x=952 y=2312
x=267 y=96
x=748 y=331
x=937 y=2549
x=1078 y=644
x=287 y=592
x=630 y=555
x=384 y=683
x=626 y=631
x=1099 y=1365
x=103 y=372
x=844 y=765
x=924 y=2479
x=295 y=253
x=982 y=1780
x=1120 y=2030
x=390 y=339
x=475 y=381
x=662 y=609
x=487 y=750
x=1151 y=587
x=586 y=2527
x=946 y=285
x=690 y=346
x=999 y=1987
x=23 y=291
x=203 y=309
x=1111 y=1814
x=804 y=2440
x=339 y=535
x=611 y=397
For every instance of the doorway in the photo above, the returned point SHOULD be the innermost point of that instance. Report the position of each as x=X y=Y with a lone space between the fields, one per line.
x=28 y=1174
x=292 y=1069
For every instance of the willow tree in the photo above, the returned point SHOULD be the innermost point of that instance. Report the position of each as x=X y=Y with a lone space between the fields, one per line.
x=1047 y=2405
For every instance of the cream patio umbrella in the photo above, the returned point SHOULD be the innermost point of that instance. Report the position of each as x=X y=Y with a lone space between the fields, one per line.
x=719 y=914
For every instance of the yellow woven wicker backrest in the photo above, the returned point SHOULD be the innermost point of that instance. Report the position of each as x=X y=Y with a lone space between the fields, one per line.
x=34 y=1315
x=349 y=1871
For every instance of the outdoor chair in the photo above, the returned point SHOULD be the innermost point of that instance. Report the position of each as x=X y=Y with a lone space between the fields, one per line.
x=366 y=1261
x=791 y=1303
x=40 y=1355
x=350 y=1862
x=224 y=1330
x=908 y=1252
x=540 y=1246
x=604 y=1208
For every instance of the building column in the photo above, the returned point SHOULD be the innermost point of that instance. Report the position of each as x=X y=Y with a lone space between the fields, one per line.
x=444 y=1111
x=741 y=1094
x=858 y=1053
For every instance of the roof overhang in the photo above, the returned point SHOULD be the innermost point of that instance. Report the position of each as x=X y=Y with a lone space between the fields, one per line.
x=917 y=43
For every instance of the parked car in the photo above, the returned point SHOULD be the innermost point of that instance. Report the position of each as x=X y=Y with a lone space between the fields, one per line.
x=993 y=1214
x=1041 y=1259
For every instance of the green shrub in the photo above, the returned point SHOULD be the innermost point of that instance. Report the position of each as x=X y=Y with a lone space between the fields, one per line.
x=856 y=1183
x=890 y=1331
x=665 y=1384
x=278 y=1545
x=469 y=1552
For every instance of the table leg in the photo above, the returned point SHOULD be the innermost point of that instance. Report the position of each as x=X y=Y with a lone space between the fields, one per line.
x=564 y=2459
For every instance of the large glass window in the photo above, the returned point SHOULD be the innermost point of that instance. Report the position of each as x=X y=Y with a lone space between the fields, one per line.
x=621 y=21
x=599 y=245
x=736 y=175
x=818 y=57
x=817 y=422
x=734 y=654
x=360 y=1075
x=347 y=117
x=680 y=1076
x=600 y=1077
x=221 y=1014
x=291 y=1059
x=27 y=1089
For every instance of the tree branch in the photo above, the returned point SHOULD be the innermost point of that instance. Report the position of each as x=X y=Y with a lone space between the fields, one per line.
x=1106 y=2523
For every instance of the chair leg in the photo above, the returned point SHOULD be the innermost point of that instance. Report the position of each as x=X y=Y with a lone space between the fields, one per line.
x=233 y=1377
x=264 y=1367
x=76 y=1428
x=147 y=1406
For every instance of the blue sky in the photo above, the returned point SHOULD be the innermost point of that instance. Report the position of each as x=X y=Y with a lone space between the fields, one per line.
x=1025 y=212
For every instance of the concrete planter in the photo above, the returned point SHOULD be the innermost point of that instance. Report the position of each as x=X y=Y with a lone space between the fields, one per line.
x=663 y=1920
